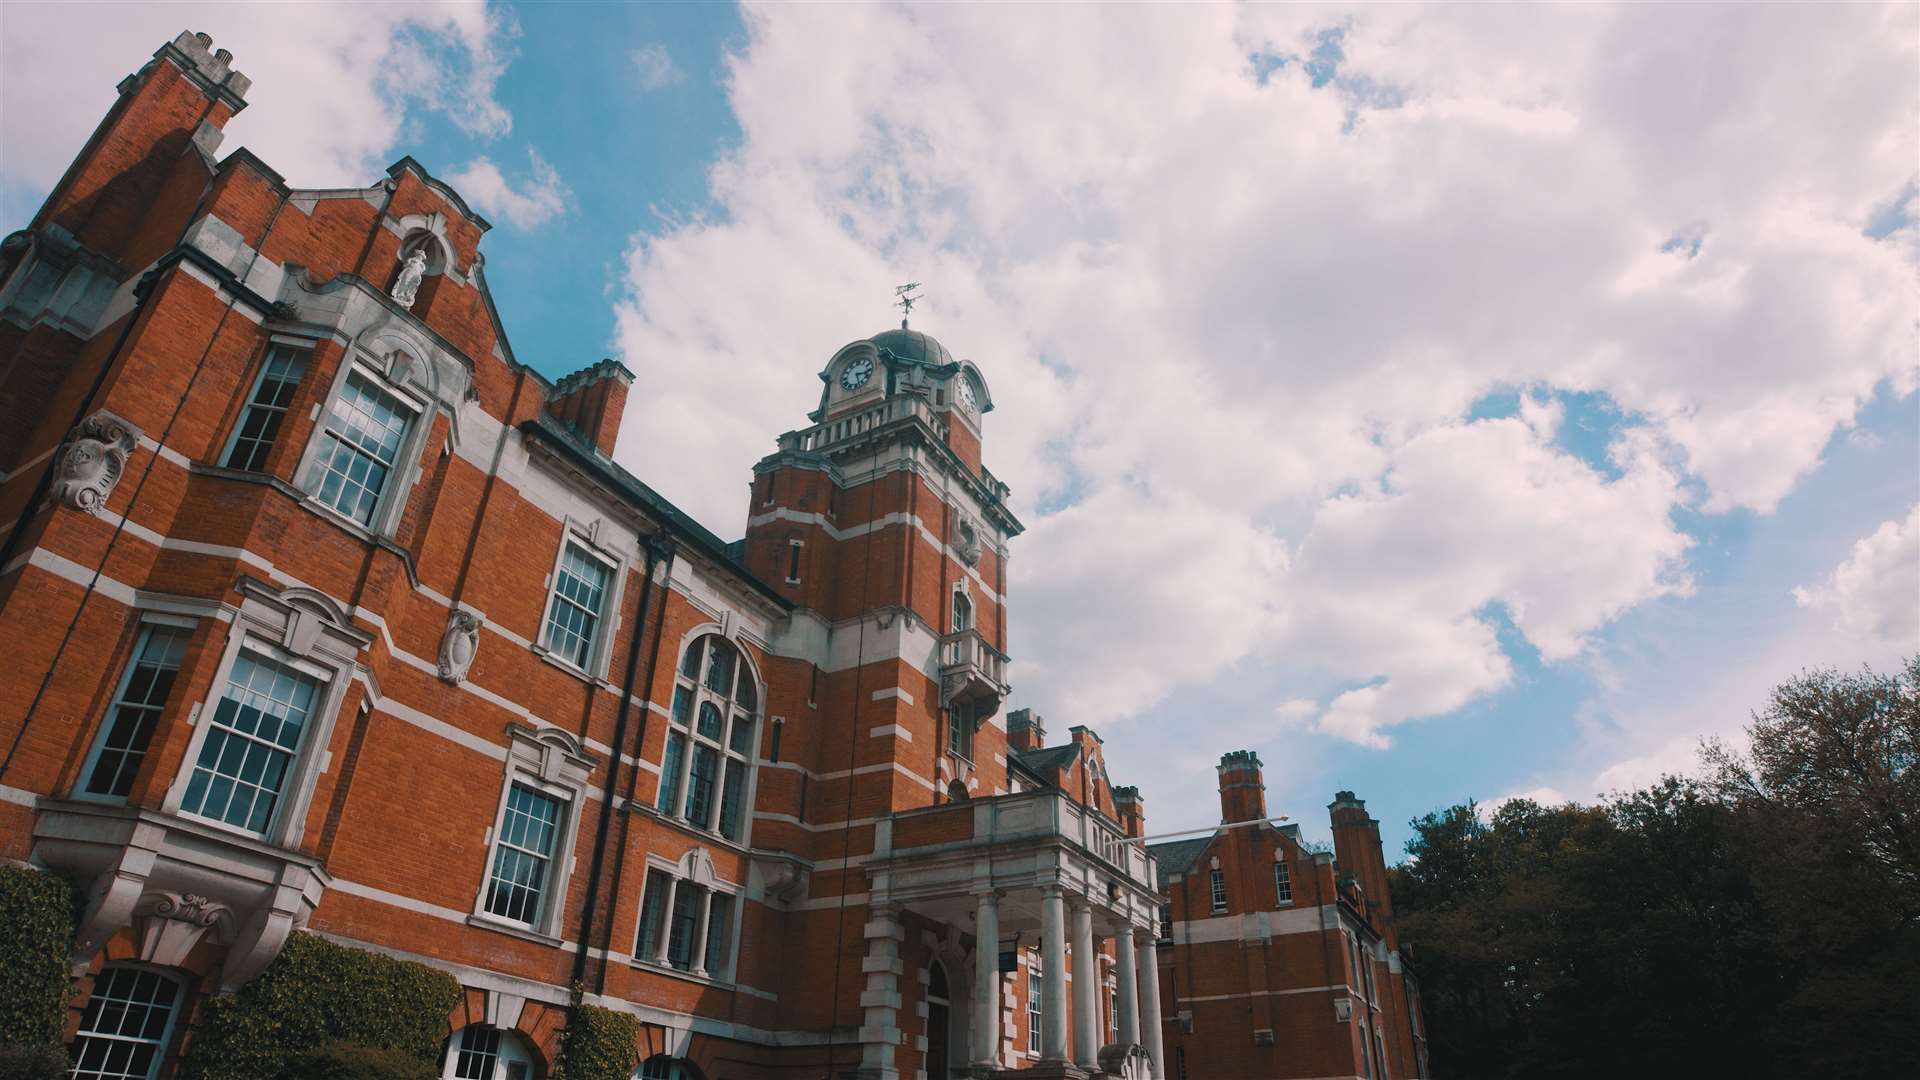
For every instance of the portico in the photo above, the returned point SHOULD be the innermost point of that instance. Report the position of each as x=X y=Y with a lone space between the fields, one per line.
x=1029 y=866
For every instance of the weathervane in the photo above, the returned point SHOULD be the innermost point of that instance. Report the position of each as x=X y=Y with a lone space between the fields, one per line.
x=904 y=299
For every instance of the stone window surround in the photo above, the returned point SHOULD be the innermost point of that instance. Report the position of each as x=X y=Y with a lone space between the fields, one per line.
x=694 y=868
x=406 y=465
x=585 y=535
x=144 y=623
x=303 y=630
x=553 y=763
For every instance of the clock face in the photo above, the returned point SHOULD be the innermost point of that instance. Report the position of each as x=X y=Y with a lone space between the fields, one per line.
x=855 y=375
x=964 y=392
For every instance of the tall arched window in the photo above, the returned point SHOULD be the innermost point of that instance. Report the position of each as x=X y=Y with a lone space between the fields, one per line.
x=709 y=756
x=124 y=1032
x=938 y=1016
x=962 y=611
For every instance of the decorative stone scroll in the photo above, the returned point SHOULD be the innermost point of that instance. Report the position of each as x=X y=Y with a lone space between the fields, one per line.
x=967 y=541
x=170 y=924
x=92 y=459
x=459 y=645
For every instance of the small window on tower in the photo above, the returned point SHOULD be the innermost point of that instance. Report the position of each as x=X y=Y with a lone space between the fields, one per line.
x=793 y=561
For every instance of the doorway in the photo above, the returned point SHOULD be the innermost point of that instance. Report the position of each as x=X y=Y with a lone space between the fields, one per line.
x=938 y=1020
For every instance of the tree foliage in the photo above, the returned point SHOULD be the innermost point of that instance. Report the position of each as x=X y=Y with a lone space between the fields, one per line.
x=36 y=933
x=1758 y=922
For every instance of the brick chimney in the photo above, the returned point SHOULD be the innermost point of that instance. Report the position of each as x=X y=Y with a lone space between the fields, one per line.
x=1131 y=810
x=161 y=132
x=1356 y=847
x=592 y=400
x=1025 y=731
x=1243 y=794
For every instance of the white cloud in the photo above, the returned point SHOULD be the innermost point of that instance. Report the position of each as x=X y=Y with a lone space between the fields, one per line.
x=541 y=197
x=1234 y=328
x=653 y=66
x=333 y=85
x=1545 y=795
x=1875 y=593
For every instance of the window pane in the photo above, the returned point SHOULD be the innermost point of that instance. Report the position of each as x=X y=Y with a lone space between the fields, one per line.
x=719 y=926
x=670 y=774
x=478 y=1053
x=731 y=797
x=360 y=442
x=700 y=784
x=133 y=714
x=522 y=852
x=740 y=739
x=720 y=668
x=651 y=910
x=680 y=939
x=579 y=590
x=250 y=743
x=124 y=1028
x=710 y=720
x=746 y=696
x=690 y=664
x=682 y=705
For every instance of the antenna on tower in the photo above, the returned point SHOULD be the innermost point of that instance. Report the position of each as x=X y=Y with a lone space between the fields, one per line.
x=904 y=299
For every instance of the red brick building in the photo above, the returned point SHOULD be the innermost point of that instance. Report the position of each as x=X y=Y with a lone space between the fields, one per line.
x=1281 y=958
x=326 y=613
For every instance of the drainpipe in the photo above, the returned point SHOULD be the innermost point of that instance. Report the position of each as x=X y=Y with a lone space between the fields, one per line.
x=613 y=772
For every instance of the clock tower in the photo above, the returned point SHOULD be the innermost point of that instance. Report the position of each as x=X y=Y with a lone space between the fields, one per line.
x=882 y=526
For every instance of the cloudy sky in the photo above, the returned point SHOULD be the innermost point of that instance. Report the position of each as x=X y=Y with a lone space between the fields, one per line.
x=1446 y=403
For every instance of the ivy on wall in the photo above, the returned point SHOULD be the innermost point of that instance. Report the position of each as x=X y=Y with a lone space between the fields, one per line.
x=599 y=1044
x=317 y=993
x=36 y=933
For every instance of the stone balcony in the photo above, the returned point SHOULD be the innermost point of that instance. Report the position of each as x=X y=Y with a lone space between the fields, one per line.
x=972 y=672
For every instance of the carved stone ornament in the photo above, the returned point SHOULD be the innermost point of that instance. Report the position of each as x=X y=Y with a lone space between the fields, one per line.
x=169 y=924
x=459 y=645
x=407 y=288
x=92 y=459
x=967 y=541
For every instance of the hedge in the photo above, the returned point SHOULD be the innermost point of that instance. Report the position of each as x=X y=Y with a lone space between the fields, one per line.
x=36 y=934
x=314 y=993
x=599 y=1044
x=347 y=1061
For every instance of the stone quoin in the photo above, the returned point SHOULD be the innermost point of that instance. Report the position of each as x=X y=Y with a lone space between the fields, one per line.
x=325 y=613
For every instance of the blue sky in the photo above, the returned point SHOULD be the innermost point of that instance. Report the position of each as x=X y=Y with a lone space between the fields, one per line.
x=1448 y=403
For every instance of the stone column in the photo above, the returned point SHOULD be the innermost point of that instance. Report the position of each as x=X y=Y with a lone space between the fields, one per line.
x=880 y=1004
x=985 y=1052
x=1149 y=957
x=666 y=921
x=1126 y=991
x=697 y=956
x=1086 y=983
x=1053 y=1006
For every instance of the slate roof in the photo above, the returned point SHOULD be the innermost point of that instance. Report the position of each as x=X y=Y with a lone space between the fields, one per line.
x=1177 y=856
x=1050 y=759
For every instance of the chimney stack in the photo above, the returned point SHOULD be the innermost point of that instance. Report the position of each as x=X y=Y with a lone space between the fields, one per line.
x=1356 y=847
x=1243 y=794
x=591 y=402
x=1025 y=731
x=1132 y=811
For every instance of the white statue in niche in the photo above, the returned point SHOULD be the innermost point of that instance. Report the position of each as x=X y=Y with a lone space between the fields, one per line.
x=459 y=645
x=408 y=287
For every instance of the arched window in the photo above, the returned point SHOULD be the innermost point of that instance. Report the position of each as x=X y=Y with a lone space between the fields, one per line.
x=483 y=1052
x=128 y=1021
x=962 y=611
x=957 y=792
x=665 y=1067
x=708 y=761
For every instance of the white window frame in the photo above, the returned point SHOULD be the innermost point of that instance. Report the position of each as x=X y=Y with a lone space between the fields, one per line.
x=961 y=729
x=691 y=739
x=298 y=628
x=550 y=762
x=406 y=464
x=148 y=623
x=1282 y=882
x=305 y=348
x=1217 y=891
x=512 y=1050
x=694 y=871
x=1036 y=998
x=173 y=1013
x=608 y=625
